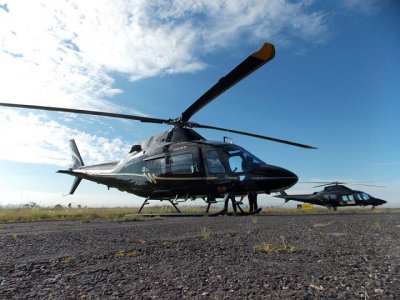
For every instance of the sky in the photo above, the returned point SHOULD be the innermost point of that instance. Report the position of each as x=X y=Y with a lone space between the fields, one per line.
x=333 y=84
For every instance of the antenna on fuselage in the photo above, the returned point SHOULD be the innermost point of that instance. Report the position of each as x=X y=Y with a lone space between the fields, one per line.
x=228 y=140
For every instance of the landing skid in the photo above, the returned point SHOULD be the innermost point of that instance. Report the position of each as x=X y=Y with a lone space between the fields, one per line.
x=244 y=213
x=182 y=214
x=224 y=211
x=219 y=213
x=178 y=212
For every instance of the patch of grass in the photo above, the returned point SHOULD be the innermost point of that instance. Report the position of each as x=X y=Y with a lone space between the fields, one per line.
x=127 y=253
x=316 y=287
x=85 y=220
x=272 y=249
x=317 y=225
x=14 y=237
x=85 y=215
x=68 y=260
x=378 y=226
x=205 y=233
x=136 y=241
x=165 y=245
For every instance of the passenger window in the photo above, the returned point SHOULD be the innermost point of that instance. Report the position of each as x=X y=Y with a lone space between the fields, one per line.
x=182 y=164
x=345 y=198
x=135 y=168
x=155 y=166
x=214 y=164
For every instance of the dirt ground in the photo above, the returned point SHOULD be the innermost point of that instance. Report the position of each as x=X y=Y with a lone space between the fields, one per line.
x=329 y=256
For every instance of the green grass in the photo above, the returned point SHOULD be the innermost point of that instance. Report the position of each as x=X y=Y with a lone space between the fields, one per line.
x=86 y=215
x=205 y=233
x=127 y=253
x=318 y=225
x=68 y=260
x=270 y=248
x=378 y=226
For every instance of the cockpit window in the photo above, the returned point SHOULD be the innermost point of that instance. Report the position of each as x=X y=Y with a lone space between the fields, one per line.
x=236 y=162
x=364 y=196
x=214 y=164
x=241 y=160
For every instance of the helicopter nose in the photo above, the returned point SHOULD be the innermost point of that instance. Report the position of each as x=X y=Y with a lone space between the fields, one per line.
x=277 y=178
x=288 y=177
x=381 y=202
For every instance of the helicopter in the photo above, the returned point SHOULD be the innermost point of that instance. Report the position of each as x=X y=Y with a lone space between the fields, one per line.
x=334 y=195
x=179 y=164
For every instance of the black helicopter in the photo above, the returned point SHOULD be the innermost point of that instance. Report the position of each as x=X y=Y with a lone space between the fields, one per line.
x=335 y=194
x=179 y=164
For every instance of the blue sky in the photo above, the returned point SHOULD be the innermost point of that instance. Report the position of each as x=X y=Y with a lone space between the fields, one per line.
x=334 y=84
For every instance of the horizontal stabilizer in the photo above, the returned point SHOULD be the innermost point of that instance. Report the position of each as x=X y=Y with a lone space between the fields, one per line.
x=283 y=195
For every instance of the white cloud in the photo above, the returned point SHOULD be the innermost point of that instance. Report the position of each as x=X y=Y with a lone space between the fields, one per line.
x=65 y=53
x=37 y=139
x=221 y=23
x=365 y=7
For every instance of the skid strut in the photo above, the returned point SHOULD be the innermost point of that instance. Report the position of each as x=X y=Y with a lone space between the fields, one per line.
x=145 y=202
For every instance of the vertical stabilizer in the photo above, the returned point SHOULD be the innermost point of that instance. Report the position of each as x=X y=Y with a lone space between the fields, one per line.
x=77 y=181
x=284 y=196
x=77 y=162
x=76 y=156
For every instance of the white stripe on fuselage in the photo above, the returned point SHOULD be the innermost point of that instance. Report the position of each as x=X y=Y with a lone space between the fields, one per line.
x=108 y=173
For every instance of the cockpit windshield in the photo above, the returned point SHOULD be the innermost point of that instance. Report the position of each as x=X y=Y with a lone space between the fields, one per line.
x=364 y=196
x=240 y=160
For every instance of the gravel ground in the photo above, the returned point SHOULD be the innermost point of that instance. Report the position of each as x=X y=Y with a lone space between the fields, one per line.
x=336 y=256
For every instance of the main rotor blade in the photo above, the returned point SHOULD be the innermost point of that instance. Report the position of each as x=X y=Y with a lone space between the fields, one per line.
x=89 y=112
x=253 y=135
x=325 y=183
x=246 y=67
